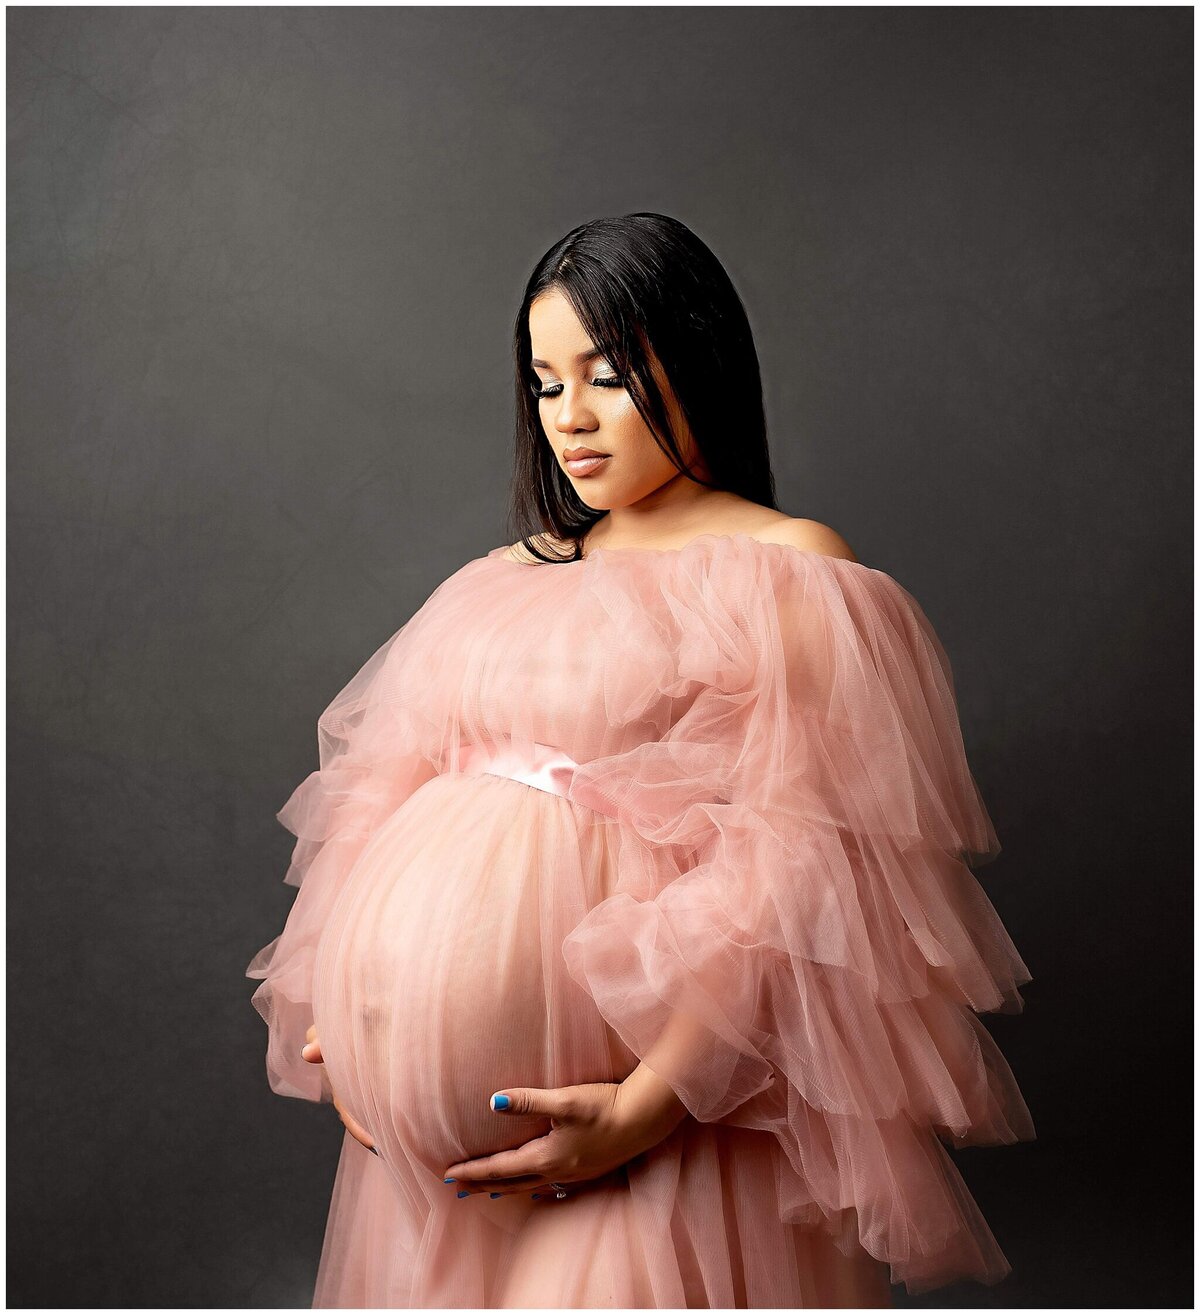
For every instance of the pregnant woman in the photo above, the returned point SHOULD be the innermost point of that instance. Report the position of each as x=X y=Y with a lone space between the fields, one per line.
x=636 y=941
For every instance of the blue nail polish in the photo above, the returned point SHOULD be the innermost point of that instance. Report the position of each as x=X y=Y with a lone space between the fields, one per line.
x=464 y=1194
x=535 y=1196
x=447 y=1180
x=493 y=1195
x=500 y=1101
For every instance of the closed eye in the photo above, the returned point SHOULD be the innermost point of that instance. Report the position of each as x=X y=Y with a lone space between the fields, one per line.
x=601 y=381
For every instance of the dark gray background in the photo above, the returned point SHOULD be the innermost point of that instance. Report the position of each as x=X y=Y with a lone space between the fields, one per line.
x=263 y=265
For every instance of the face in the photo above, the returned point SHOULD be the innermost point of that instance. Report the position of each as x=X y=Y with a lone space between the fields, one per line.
x=584 y=408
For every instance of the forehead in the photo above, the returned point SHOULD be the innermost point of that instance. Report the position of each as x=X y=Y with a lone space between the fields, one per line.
x=554 y=328
x=558 y=338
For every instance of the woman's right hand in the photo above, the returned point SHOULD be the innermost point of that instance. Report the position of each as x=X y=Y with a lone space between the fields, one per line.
x=312 y=1053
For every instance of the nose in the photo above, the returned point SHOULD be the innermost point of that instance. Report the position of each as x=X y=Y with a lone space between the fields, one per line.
x=572 y=416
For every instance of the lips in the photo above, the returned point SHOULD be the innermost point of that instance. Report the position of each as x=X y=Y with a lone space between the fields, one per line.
x=587 y=463
x=578 y=453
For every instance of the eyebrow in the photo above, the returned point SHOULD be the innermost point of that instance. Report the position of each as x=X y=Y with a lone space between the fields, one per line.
x=583 y=356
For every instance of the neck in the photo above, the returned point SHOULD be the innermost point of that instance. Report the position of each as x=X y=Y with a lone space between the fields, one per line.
x=676 y=510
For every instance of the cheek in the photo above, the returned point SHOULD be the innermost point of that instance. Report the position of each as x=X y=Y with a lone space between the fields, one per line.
x=642 y=462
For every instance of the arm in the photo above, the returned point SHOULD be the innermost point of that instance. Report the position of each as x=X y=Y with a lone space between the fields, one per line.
x=646 y=1098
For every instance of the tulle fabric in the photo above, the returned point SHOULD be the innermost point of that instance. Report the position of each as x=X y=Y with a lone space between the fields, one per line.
x=769 y=836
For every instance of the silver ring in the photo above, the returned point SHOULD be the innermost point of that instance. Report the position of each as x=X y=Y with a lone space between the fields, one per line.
x=559 y=1190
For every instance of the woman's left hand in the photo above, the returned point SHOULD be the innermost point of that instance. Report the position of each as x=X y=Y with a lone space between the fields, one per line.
x=592 y=1134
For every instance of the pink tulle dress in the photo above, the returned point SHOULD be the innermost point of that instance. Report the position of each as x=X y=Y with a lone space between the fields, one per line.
x=567 y=803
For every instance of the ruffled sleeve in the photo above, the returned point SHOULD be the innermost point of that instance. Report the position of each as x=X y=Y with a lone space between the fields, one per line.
x=371 y=761
x=797 y=886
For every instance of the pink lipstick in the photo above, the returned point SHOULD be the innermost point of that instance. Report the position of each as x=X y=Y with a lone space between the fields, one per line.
x=583 y=461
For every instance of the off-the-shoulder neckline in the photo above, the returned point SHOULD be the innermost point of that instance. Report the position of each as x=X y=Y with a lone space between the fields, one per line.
x=706 y=540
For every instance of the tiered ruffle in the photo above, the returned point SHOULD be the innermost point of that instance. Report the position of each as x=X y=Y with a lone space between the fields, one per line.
x=777 y=735
x=819 y=920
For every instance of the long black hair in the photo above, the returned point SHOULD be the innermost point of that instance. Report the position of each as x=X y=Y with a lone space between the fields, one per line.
x=642 y=284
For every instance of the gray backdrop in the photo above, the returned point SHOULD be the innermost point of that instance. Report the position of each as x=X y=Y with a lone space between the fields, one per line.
x=263 y=265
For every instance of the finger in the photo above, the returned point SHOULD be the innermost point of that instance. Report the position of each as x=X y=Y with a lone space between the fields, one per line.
x=311 y=1034
x=559 y=1103
x=312 y=1052
x=353 y=1127
x=515 y=1166
x=502 y=1186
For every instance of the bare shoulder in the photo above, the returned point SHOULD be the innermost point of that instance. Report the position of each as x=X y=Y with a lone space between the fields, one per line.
x=808 y=536
x=517 y=552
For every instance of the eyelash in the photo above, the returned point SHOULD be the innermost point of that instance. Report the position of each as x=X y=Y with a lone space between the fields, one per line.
x=601 y=381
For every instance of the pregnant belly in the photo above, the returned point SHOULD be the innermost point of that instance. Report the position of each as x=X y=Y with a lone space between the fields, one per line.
x=439 y=977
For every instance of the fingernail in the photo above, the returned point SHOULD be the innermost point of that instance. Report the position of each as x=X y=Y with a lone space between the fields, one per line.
x=535 y=1196
x=447 y=1180
x=493 y=1195
x=464 y=1193
x=373 y=1150
x=500 y=1101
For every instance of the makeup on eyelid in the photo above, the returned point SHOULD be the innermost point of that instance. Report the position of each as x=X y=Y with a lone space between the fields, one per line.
x=601 y=381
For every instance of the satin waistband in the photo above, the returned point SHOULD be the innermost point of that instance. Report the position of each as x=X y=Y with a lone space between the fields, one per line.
x=541 y=765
